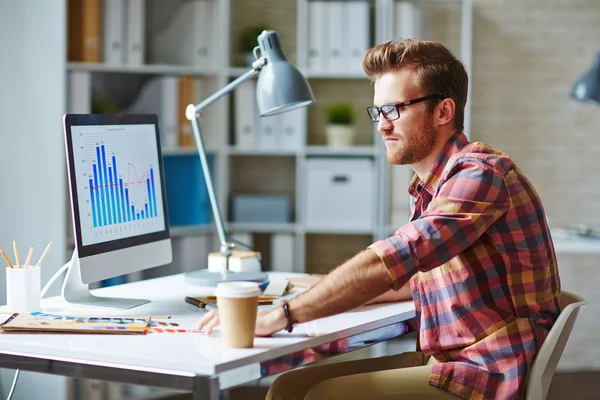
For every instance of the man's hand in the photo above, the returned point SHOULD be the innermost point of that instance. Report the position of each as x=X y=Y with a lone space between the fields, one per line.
x=267 y=322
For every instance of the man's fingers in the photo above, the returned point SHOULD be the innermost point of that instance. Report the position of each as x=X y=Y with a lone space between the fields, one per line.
x=204 y=321
x=211 y=324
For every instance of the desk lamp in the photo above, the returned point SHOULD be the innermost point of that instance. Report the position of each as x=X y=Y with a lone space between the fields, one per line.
x=280 y=88
x=587 y=87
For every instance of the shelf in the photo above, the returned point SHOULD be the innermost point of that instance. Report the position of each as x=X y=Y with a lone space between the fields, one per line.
x=261 y=227
x=234 y=72
x=182 y=151
x=248 y=152
x=355 y=151
x=339 y=231
x=191 y=230
x=140 y=69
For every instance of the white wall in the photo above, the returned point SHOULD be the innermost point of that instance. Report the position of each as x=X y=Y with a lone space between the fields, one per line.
x=32 y=160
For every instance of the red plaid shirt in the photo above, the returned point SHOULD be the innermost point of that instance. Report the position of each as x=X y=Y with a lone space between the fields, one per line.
x=482 y=270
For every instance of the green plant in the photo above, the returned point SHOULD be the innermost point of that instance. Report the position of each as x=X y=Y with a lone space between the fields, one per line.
x=248 y=37
x=102 y=105
x=340 y=113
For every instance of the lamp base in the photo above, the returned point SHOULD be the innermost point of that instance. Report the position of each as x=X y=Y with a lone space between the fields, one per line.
x=204 y=277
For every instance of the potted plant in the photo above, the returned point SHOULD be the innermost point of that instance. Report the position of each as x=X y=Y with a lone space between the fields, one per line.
x=248 y=41
x=340 y=130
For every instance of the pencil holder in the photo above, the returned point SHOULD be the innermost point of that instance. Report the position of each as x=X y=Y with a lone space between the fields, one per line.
x=23 y=289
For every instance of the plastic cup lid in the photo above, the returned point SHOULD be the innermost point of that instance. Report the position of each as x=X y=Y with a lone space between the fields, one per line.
x=237 y=289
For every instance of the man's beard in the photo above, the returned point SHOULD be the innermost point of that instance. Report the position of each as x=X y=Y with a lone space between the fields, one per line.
x=414 y=148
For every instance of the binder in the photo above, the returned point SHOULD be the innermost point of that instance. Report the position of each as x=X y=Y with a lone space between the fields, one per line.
x=187 y=95
x=282 y=252
x=268 y=132
x=185 y=40
x=334 y=39
x=135 y=32
x=407 y=20
x=317 y=54
x=92 y=29
x=356 y=33
x=161 y=96
x=80 y=92
x=114 y=32
x=246 y=116
x=292 y=134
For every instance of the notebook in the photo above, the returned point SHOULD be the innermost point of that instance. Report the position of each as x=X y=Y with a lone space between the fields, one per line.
x=49 y=323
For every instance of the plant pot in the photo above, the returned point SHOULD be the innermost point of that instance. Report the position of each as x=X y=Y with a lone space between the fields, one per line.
x=339 y=135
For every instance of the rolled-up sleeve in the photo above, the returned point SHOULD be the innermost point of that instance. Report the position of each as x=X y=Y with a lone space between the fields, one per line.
x=472 y=196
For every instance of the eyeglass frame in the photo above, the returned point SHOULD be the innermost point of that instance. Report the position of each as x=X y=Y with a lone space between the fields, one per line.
x=397 y=106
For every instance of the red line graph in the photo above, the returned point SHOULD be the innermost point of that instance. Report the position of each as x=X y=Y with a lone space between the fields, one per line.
x=126 y=184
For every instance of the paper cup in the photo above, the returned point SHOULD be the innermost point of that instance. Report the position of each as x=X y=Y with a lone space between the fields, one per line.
x=23 y=289
x=237 y=303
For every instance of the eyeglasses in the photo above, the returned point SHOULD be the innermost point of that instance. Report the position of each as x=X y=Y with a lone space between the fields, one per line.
x=391 y=112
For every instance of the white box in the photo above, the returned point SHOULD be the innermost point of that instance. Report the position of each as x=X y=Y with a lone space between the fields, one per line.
x=340 y=194
x=239 y=261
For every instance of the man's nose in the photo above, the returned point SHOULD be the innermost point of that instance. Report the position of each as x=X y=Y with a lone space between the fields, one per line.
x=384 y=125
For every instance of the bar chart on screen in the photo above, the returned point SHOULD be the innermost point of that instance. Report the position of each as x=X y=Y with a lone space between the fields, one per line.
x=119 y=181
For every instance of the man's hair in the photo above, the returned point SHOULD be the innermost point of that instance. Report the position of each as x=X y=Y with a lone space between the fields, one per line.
x=436 y=70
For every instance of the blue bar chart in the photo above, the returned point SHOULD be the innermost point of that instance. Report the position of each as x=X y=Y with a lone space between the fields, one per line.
x=110 y=195
x=118 y=180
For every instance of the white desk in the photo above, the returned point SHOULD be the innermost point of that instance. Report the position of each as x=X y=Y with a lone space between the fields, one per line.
x=191 y=361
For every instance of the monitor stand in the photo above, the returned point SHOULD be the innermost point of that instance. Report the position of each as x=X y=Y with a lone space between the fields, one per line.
x=76 y=292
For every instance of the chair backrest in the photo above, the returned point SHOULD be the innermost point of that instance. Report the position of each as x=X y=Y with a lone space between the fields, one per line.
x=544 y=364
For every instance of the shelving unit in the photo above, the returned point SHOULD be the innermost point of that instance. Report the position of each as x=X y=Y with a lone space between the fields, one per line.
x=271 y=170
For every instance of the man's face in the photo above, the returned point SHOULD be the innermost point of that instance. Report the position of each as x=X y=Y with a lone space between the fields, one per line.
x=410 y=138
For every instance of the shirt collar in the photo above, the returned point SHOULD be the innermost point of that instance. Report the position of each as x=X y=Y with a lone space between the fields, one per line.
x=433 y=176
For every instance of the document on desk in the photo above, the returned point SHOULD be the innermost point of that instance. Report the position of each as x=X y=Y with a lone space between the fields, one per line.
x=36 y=323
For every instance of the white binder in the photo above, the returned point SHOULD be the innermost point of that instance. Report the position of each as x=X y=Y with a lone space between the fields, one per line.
x=317 y=54
x=114 y=32
x=292 y=134
x=135 y=32
x=282 y=252
x=408 y=20
x=334 y=41
x=80 y=92
x=269 y=127
x=356 y=33
x=161 y=96
x=246 y=116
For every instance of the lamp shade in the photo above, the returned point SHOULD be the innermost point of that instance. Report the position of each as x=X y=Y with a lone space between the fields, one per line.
x=280 y=87
x=587 y=87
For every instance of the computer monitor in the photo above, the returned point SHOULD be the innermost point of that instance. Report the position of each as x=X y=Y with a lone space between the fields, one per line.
x=118 y=202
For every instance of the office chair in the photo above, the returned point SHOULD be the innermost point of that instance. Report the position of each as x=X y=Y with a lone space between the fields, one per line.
x=544 y=364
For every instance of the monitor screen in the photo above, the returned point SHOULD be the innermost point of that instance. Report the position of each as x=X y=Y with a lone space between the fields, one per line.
x=117 y=186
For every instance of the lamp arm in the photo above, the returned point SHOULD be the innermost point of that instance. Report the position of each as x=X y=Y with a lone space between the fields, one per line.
x=192 y=110
x=192 y=114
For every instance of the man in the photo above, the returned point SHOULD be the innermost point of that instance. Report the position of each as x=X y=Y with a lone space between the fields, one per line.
x=477 y=253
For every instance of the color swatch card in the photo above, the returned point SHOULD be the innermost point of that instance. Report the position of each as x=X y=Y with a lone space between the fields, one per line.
x=55 y=323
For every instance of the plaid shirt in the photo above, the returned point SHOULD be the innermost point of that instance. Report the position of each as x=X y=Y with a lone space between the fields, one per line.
x=482 y=270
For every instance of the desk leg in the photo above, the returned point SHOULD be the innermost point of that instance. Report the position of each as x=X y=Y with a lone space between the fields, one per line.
x=206 y=389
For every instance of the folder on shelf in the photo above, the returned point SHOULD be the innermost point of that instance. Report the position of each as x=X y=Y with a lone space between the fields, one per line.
x=334 y=37
x=317 y=52
x=114 y=32
x=135 y=32
x=408 y=20
x=356 y=33
x=160 y=95
x=282 y=252
x=246 y=116
x=185 y=39
x=80 y=92
x=292 y=131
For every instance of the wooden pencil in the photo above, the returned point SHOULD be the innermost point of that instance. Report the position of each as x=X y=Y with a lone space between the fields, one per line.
x=28 y=259
x=18 y=265
x=6 y=258
x=44 y=254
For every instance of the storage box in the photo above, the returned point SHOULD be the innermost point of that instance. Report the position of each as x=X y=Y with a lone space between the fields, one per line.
x=340 y=193
x=261 y=208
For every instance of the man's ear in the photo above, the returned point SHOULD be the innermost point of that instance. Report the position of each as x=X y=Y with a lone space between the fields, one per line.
x=444 y=112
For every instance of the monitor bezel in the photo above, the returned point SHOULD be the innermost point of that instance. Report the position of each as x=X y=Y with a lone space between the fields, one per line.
x=71 y=120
